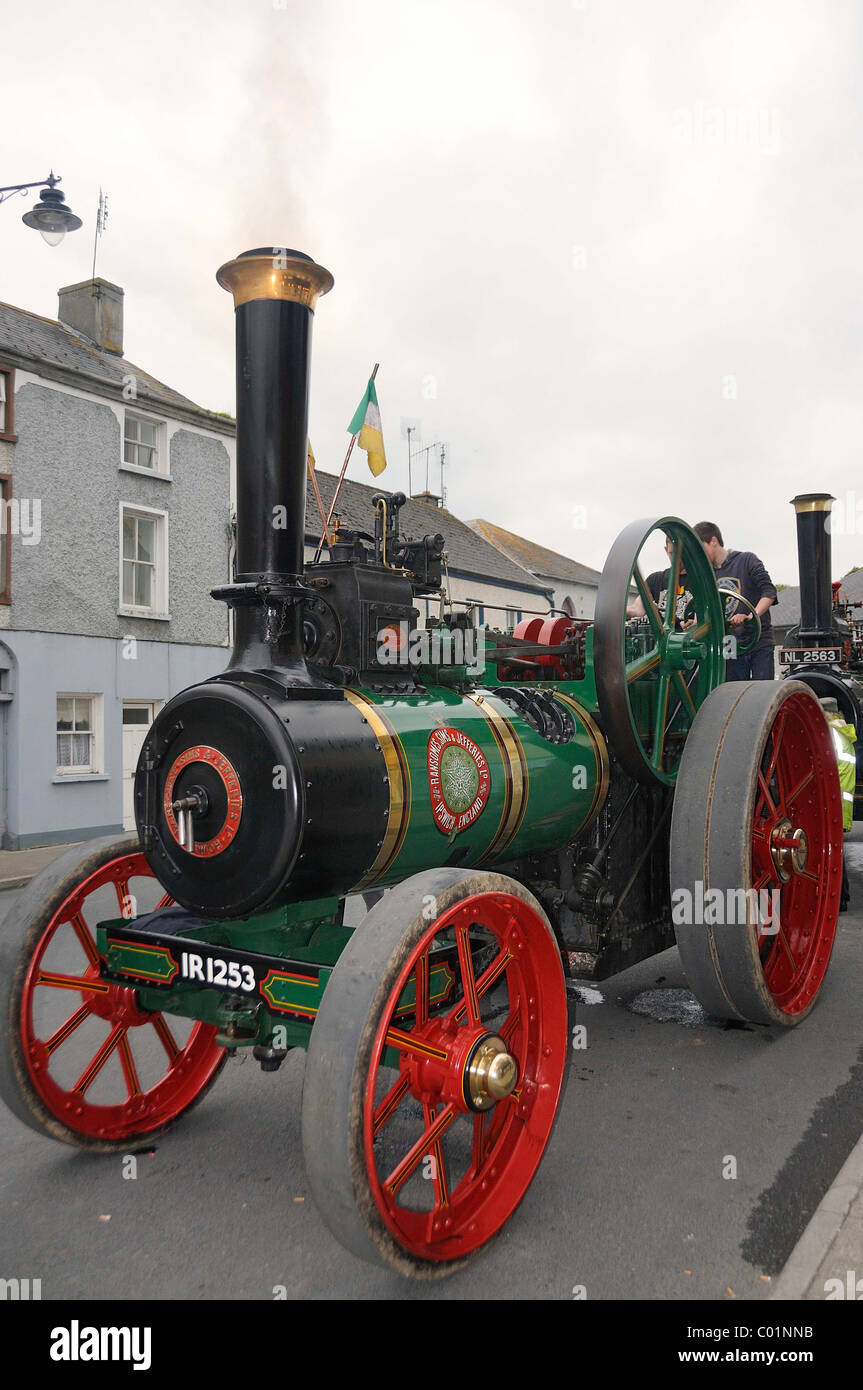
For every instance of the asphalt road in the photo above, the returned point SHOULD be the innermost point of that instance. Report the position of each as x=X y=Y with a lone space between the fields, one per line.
x=630 y=1201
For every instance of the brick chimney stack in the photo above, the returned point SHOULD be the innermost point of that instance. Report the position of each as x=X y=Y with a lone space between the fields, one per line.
x=94 y=308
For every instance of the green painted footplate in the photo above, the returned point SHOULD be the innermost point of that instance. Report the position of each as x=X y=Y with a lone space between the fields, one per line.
x=260 y=981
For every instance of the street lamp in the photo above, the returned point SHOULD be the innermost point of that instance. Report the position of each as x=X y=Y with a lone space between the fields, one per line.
x=50 y=216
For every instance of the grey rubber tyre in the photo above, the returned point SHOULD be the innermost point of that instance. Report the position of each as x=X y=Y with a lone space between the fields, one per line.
x=725 y=822
x=339 y=1062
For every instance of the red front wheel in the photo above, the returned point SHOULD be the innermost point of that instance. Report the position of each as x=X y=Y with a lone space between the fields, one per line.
x=435 y=1070
x=83 y=1062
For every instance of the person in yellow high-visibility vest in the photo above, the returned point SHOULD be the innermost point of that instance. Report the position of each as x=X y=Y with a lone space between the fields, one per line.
x=844 y=739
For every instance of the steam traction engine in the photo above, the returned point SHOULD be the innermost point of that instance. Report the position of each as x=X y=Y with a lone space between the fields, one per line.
x=825 y=649
x=547 y=801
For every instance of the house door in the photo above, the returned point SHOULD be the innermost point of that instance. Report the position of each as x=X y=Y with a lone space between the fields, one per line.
x=138 y=715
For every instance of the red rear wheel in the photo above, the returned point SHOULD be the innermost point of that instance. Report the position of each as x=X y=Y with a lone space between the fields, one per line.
x=85 y=1063
x=435 y=1070
x=793 y=832
x=756 y=852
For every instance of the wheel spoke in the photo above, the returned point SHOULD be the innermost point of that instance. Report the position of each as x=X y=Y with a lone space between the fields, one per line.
x=493 y=972
x=488 y=977
x=783 y=941
x=659 y=727
x=439 y=1176
x=410 y=1042
x=121 y=887
x=767 y=795
x=479 y=1141
x=67 y=1029
x=649 y=601
x=498 y=1120
x=685 y=693
x=468 y=978
x=673 y=581
x=390 y=1103
x=402 y=1171
x=804 y=782
x=687 y=687
x=421 y=989
x=127 y=1061
x=84 y=935
x=775 y=740
x=766 y=929
x=166 y=1037
x=89 y=1074
x=57 y=981
x=506 y=1031
x=638 y=668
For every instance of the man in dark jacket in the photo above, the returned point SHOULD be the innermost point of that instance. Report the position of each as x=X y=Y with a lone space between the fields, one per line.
x=742 y=571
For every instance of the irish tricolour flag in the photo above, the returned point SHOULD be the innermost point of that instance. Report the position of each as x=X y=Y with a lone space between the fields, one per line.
x=367 y=424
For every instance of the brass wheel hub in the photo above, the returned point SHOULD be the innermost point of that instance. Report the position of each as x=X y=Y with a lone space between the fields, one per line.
x=491 y=1075
x=789 y=849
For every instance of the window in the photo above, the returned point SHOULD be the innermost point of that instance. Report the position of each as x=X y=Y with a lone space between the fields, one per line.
x=7 y=403
x=144 y=562
x=5 y=548
x=141 y=443
x=78 y=735
x=138 y=714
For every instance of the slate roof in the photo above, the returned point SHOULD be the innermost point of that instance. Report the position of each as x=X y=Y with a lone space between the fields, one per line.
x=787 y=612
x=50 y=349
x=536 y=558
x=467 y=552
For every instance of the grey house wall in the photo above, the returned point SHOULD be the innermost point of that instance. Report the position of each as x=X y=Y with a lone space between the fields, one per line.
x=43 y=808
x=62 y=632
x=68 y=455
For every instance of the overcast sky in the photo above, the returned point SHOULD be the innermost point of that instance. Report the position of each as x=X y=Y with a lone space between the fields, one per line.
x=609 y=250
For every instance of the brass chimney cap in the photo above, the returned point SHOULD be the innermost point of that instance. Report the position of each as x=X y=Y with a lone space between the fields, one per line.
x=274 y=272
x=813 y=502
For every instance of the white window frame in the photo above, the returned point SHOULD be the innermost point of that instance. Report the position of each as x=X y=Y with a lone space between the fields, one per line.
x=97 y=735
x=159 y=610
x=161 y=469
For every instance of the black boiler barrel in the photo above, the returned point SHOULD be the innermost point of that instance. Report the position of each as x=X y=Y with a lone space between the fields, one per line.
x=814 y=562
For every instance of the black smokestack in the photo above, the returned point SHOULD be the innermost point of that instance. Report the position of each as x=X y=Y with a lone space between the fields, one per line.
x=275 y=291
x=814 y=562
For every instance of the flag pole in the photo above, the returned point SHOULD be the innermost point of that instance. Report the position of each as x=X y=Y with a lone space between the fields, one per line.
x=311 y=474
x=325 y=534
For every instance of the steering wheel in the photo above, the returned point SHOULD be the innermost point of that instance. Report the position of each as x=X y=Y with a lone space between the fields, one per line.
x=733 y=600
